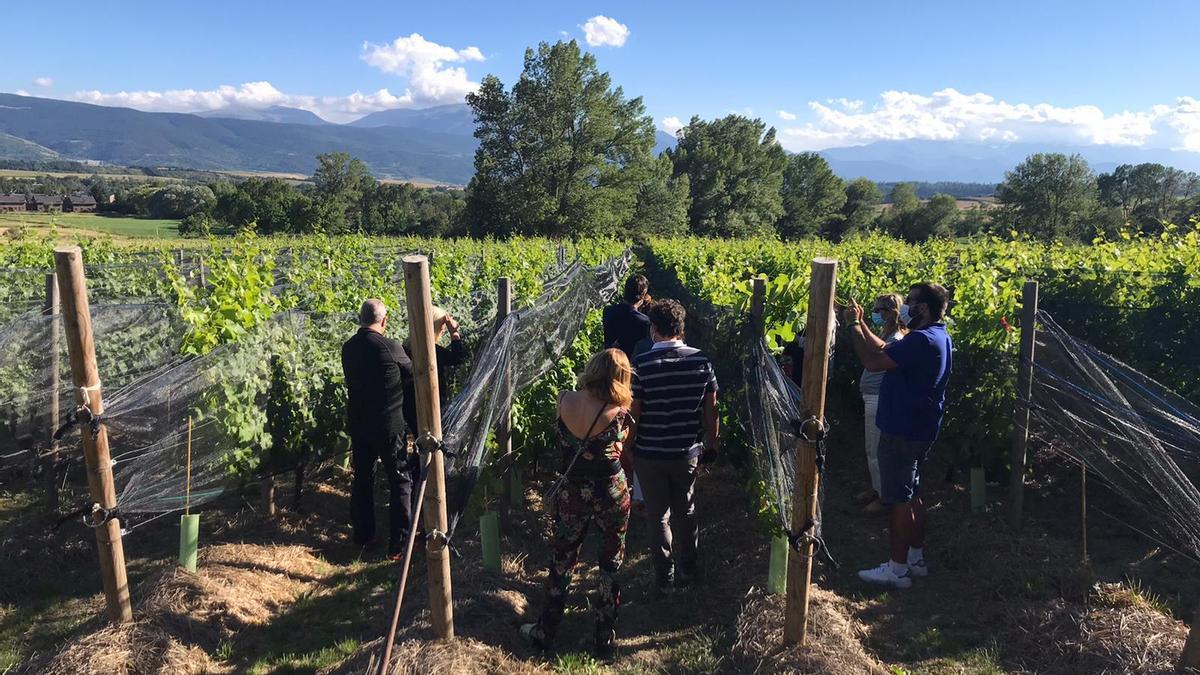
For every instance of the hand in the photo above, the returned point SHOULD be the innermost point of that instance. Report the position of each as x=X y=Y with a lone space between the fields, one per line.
x=853 y=312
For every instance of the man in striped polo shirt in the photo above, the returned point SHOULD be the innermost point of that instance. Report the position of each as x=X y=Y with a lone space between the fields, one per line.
x=675 y=430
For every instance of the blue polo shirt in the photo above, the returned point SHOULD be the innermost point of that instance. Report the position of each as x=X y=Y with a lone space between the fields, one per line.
x=912 y=397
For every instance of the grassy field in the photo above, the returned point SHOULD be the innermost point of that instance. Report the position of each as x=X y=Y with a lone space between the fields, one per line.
x=23 y=173
x=122 y=226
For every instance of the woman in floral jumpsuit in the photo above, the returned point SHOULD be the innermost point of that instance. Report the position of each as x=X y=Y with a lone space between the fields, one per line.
x=591 y=491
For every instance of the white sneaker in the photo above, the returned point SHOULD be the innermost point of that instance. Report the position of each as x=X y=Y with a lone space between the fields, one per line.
x=918 y=568
x=884 y=576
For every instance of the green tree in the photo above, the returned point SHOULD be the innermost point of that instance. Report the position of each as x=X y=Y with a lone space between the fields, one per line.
x=1146 y=194
x=180 y=201
x=863 y=197
x=901 y=213
x=813 y=197
x=234 y=209
x=562 y=153
x=735 y=170
x=935 y=218
x=904 y=197
x=278 y=206
x=339 y=183
x=1049 y=196
x=662 y=201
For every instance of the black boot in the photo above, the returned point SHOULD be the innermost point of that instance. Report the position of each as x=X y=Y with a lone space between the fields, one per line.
x=606 y=641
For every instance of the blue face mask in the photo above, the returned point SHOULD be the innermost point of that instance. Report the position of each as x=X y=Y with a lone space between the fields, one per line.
x=877 y=318
x=905 y=317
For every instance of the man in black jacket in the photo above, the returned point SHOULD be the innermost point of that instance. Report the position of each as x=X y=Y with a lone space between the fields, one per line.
x=624 y=326
x=375 y=367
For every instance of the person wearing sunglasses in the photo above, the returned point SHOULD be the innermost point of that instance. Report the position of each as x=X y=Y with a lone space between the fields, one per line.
x=885 y=319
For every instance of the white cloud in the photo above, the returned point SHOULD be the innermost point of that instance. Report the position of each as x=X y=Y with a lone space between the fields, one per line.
x=603 y=31
x=423 y=63
x=785 y=115
x=849 y=105
x=21 y=92
x=951 y=115
x=252 y=95
x=430 y=81
x=44 y=81
x=671 y=124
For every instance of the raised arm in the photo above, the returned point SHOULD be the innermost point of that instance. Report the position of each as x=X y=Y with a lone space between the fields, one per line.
x=867 y=345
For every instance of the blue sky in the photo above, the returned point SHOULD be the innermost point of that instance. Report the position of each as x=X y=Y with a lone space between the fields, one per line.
x=1081 y=72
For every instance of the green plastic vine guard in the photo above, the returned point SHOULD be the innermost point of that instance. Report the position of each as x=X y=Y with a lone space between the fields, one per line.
x=516 y=490
x=978 y=489
x=189 y=540
x=777 y=574
x=489 y=536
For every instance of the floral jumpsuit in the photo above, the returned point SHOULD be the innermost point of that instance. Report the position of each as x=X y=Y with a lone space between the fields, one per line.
x=593 y=491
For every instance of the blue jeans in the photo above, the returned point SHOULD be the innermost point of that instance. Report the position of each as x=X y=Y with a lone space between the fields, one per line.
x=900 y=462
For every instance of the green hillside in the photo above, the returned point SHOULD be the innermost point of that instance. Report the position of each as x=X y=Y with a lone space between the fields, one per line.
x=133 y=138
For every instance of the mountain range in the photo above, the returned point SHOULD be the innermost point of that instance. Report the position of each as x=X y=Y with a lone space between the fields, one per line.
x=430 y=144
x=917 y=160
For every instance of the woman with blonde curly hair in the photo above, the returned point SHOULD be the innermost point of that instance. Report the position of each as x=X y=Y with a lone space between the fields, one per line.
x=593 y=421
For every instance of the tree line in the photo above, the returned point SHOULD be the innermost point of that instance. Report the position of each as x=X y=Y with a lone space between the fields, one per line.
x=565 y=153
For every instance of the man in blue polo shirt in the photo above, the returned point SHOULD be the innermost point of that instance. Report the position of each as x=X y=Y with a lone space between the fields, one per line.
x=912 y=400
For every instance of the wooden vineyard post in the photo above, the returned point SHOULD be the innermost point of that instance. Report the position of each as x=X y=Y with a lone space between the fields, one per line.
x=429 y=434
x=1016 y=491
x=758 y=298
x=818 y=336
x=77 y=319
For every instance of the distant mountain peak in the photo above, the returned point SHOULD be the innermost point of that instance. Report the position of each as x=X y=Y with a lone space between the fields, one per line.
x=453 y=118
x=275 y=113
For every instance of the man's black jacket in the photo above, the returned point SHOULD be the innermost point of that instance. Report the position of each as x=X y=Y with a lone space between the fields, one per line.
x=375 y=367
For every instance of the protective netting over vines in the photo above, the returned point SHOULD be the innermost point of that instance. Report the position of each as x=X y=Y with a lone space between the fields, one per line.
x=36 y=390
x=1139 y=437
x=524 y=347
x=773 y=420
x=184 y=429
x=772 y=412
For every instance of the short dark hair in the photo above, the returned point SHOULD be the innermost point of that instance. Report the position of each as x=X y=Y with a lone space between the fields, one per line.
x=667 y=317
x=635 y=288
x=934 y=295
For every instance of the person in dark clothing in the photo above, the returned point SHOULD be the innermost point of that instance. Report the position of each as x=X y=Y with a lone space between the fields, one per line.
x=447 y=360
x=375 y=367
x=624 y=325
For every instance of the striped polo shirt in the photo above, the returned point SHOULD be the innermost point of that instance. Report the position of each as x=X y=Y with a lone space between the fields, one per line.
x=670 y=381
